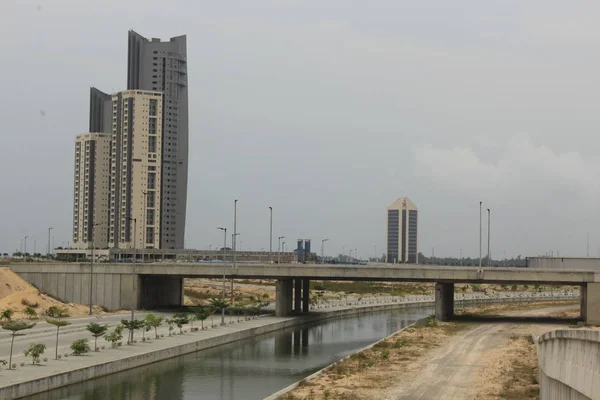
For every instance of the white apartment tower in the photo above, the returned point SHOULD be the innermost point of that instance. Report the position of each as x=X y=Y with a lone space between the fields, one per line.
x=92 y=174
x=402 y=232
x=136 y=171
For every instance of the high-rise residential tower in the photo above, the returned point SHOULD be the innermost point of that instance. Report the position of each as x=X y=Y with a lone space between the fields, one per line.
x=402 y=232
x=90 y=205
x=162 y=67
x=137 y=171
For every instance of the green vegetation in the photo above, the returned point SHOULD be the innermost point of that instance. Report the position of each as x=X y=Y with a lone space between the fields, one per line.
x=97 y=331
x=201 y=313
x=35 y=351
x=30 y=312
x=59 y=323
x=14 y=327
x=132 y=326
x=180 y=319
x=57 y=312
x=6 y=315
x=152 y=321
x=80 y=346
x=115 y=336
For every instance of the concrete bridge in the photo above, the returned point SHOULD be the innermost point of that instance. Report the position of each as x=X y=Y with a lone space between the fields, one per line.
x=148 y=286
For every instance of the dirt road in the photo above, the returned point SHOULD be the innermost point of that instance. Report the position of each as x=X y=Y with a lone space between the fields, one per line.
x=457 y=369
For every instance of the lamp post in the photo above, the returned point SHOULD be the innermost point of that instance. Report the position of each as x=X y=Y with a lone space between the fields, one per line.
x=489 y=262
x=233 y=240
x=48 y=254
x=144 y=218
x=92 y=265
x=323 y=250
x=480 y=233
x=356 y=254
x=25 y=249
x=224 y=252
x=283 y=248
x=133 y=294
x=271 y=237
x=279 y=249
x=350 y=256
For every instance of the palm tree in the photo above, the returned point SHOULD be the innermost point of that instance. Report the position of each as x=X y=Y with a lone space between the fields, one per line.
x=59 y=323
x=96 y=330
x=7 y=315
x=14 y=327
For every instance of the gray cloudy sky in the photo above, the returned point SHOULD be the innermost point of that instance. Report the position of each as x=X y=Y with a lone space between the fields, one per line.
x=328 y=111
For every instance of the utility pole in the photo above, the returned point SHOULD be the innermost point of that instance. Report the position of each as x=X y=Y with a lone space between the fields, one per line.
x=489 y=263
x=323 y=250
x=223 y=293
x=279 y=249
x=588 y=245
x=480 y=233
x=48 y=254
x=25 y=248
x=233 y=243
x=133 y=294
x=271 y=237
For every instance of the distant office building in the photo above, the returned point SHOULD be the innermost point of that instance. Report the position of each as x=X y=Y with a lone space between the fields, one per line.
x=137 y=171
x=402 y=232
x=91 y=191
x=162 y=67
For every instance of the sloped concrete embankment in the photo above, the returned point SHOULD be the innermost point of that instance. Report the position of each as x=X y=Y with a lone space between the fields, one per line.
x=569 y=364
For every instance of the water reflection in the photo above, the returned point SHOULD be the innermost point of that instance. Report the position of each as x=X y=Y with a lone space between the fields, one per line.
x=248 y=369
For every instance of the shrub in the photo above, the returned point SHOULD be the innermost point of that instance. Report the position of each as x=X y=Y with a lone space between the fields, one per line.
x=30 y=312
x=28 y=303
x=80 y=346
x=56 y=312
x=6 y=315
x=400 y=343
x=35 y=351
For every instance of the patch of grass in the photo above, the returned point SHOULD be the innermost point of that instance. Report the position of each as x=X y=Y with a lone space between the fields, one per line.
x=195 y=294
x=400 y=342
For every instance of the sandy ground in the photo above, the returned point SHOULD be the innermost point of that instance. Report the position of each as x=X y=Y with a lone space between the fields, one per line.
x=14 y=291
x=204 y=290
x=485 y=360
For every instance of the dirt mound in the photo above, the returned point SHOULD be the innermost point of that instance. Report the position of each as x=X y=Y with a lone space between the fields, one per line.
x=16 y=294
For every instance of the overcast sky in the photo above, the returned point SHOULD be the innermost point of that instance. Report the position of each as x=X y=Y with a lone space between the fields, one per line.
x=327 y=111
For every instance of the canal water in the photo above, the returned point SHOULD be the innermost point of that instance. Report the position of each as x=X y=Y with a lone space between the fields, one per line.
x=248 y=369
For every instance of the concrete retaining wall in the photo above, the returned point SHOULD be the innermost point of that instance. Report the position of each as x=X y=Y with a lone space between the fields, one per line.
x=569 y=363
x=55 y=381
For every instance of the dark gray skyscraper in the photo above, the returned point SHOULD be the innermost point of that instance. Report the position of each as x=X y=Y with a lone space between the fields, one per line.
x=402 y=232
x=162 y=66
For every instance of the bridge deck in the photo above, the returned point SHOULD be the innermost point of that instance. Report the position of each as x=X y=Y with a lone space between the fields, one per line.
x=380 y=272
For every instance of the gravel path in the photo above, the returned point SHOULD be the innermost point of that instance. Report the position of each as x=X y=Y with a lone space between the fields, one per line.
x=455 y=369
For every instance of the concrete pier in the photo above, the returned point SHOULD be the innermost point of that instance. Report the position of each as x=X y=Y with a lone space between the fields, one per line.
x=444 y=301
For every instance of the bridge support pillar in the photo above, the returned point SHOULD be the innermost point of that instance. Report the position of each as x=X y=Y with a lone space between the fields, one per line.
x=305 y=295
x=590 y=303
x=297 y=296
x=283 y=297
x=444 y=301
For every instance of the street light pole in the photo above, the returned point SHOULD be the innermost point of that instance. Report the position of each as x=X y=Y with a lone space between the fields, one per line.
x=271 y=238
x=323 y=250
x=48 y=254
x=489 y=263
x=133 y=294
x=92 y=266
x=480 y=233
x=144 y=217
x=233 y=240
x=25 y=249
x=279 y=249
x=223 y=293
